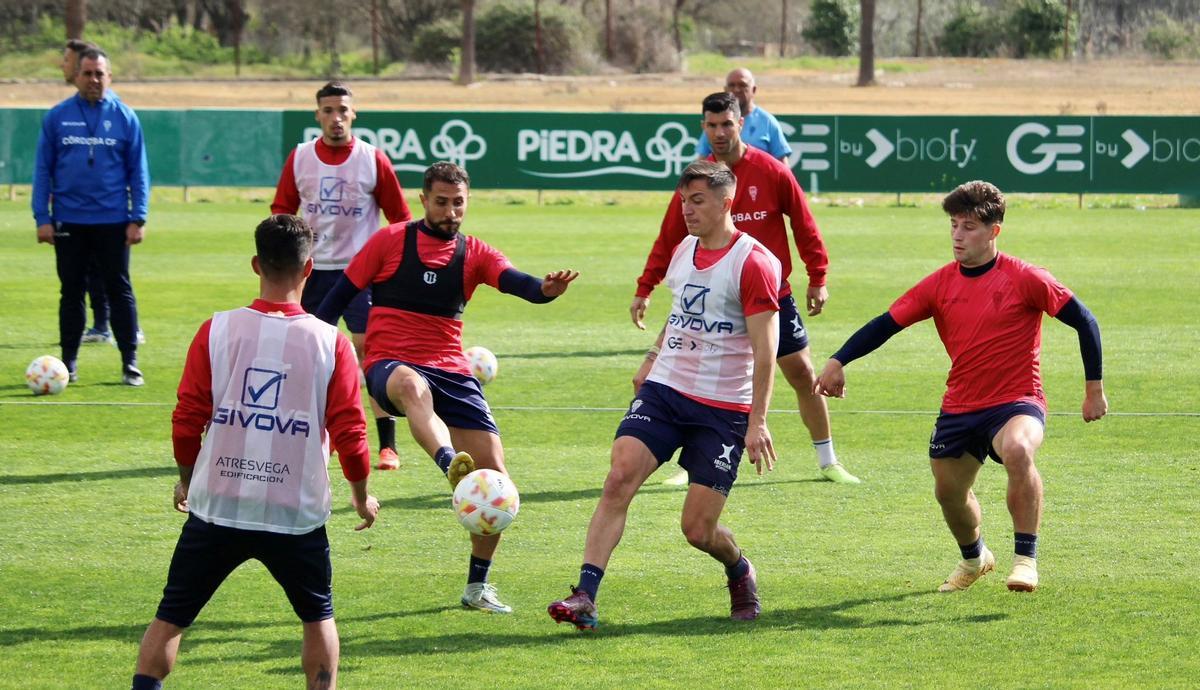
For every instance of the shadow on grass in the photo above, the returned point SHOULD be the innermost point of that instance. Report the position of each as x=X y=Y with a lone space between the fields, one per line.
x=134 y=473
x=438 y=501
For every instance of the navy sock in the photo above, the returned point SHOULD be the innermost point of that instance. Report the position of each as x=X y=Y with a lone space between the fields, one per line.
x=442 y=457
x=143 y=682
x=589 y=579
x=972 y=550
x=738 y=569
x=1026 y=544
x=386 y=426
x=478 y=570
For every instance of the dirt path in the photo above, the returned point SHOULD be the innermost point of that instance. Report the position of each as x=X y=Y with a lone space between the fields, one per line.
x=943 y=86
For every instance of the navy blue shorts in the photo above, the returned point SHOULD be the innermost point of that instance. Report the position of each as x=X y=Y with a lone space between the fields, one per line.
x=972 y=432
x=457 y=399
x=206 y=554
x=712 y=439
x=320 y=282
x=792 y=336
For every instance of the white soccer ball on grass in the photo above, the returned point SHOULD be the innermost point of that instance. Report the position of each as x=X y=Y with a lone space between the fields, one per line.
x=47 y=375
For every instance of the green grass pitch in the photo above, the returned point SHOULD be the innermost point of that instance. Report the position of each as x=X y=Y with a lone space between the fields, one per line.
x=847 y=574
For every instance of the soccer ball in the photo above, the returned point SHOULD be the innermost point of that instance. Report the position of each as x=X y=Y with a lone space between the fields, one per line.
x=47 y=375
x=483 y=364
x=485 y=502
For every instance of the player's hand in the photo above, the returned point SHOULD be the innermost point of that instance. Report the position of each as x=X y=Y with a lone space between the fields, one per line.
x=134 y=234
x=45 y=233
x=181 y=493
x=832 y=381
x=1095 y=405
x=554 y=284
x=367 y=510
x=759 y=447
x=637 y=311
x=817 y=297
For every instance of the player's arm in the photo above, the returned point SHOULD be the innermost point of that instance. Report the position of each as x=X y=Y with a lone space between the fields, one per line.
x=388 y=193
x=832 y=381
x=648 y=362
x=287 y=194
x=763 y=329
x=534 y=289
x=193 y=409
x=670 y=234
x=1079 y=317
x=43 y=174
x=137 y=172
x=808 y=240
x=348 y=430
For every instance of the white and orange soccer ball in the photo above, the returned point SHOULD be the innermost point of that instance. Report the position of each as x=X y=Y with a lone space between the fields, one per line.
x=485 y=502
x=47 y=375
x=484 y=366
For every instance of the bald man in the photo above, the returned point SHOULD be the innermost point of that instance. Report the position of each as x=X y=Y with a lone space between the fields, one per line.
x=760 y=130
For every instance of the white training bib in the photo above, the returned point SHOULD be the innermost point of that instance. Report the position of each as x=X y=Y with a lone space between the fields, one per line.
x=338 y=201
x=706 y=349
x=264 y=461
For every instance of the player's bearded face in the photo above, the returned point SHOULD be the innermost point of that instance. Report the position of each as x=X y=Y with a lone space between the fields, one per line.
x=445 y=207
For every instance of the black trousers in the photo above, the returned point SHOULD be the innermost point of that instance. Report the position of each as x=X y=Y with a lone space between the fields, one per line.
x=75 y=245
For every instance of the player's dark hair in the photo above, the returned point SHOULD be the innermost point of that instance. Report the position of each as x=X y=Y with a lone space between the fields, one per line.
x=445 y=172
x=283 y=243
x=93 y=53
x=78 y=46
x=333 y=88
x=721 y=102
x=718 y=175
x=976 y=198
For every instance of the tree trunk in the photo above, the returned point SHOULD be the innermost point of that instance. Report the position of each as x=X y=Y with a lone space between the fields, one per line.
x=466 y=62
x=76 y=18
x=608 y=31
x=375 y=37
x=783 y=31
x=866 y=43
x=917 y=40
x=676 y=7
x=538 y=47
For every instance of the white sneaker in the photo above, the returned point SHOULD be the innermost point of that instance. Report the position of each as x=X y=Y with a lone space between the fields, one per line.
x=1024 y=576
x=968 y=571
x=482 y=596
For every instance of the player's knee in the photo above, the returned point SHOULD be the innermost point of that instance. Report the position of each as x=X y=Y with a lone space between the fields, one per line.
x=1017 y=457
x=799 y=371
x=406 y=390
x=698 y=533
x=949 y=494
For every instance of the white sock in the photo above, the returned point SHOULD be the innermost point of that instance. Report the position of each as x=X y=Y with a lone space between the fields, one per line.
x=825 y=454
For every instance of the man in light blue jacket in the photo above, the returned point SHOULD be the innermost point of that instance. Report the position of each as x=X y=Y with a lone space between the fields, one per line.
x=91 y=189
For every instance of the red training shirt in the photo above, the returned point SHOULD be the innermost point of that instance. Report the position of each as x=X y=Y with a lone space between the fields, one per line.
x=766 y=193
x=991 y=326
x=424 y=339
x=344 y=418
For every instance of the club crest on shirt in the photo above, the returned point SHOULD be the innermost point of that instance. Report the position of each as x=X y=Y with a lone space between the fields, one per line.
x=753 y=193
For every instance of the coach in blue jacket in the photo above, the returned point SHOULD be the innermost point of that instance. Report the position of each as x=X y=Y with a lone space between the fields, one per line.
x=90 y=191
